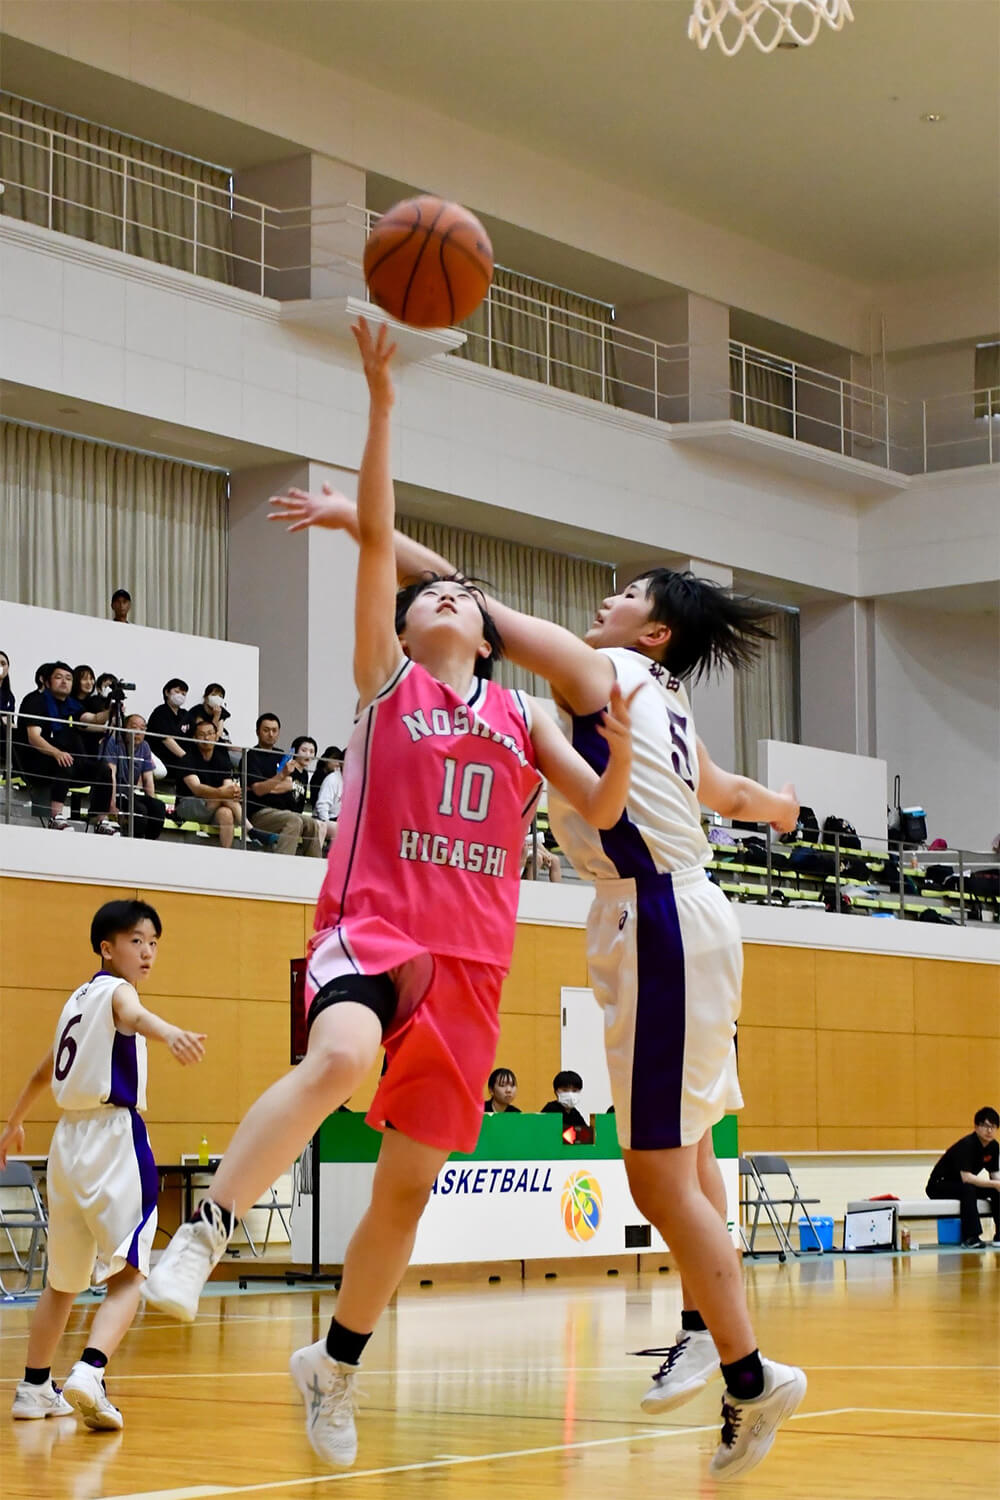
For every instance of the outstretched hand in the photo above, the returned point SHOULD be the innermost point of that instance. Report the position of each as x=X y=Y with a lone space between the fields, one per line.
x=616 y=724
x=11 y=1140
x=788 y=818
x=376 y=357
x=330 y=509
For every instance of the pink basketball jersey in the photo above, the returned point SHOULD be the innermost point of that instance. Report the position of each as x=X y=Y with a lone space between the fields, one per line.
x=438 y=793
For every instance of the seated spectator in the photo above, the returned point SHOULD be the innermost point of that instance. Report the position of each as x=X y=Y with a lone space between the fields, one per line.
x=502 y=1086
x=7 y=701
x=956 y=1175
x=567 y=1087
x=121 y=603
x=169 y=724
x=537 y=860
x=210 y=794
x=42 y=674
x=84 y=682
x=212 y=709
x=57 y=753
x=277 y=787
x=328 y=786
x=96 y=705
x=148 y=811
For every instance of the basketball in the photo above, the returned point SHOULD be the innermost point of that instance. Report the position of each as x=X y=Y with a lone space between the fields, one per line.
x=428 y=263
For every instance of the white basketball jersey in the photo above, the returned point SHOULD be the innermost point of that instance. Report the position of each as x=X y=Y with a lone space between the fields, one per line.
x=660 y=830
x=95 y=1064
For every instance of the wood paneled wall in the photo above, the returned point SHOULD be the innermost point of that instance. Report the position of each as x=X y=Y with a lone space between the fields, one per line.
x=838 y=1051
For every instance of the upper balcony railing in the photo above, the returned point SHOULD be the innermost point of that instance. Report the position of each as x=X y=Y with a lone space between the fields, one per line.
x=314 y=251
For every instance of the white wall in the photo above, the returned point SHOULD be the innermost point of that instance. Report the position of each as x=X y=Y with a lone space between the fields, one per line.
x=836 y=681
x=147 y=657
x=830 y=782
x=198 y=59
x=938 y=697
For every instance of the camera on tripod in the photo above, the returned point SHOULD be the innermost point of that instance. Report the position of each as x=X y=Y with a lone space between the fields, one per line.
x=119 y=688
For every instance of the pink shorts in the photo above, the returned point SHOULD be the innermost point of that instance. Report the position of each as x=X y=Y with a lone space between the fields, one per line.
x=442 y=1041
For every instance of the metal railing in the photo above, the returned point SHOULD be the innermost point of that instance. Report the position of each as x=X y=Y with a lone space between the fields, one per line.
x=315 y=250
x=882 y=878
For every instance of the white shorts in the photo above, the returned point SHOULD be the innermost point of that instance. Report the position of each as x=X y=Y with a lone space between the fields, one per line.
x=666 y=966
x=102 y=1189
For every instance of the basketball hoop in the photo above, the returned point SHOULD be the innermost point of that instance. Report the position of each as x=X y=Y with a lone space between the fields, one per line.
x=768 y=23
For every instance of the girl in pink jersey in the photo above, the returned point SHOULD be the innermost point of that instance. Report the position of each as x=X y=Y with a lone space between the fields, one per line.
x=414 y=926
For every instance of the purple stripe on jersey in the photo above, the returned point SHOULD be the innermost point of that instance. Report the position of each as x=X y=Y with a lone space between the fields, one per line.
x=124 y=1072
x=623 y=844
x=658 y=1056
x=149 y=1181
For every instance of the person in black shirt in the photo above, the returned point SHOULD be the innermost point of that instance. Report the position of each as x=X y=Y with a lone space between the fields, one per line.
x=57 y=752
x=567 y=1087
x=956 y=1175
x=502 y=1086
x=210 y=793
x=213 y=710
x=277 y=788
x=167 y=726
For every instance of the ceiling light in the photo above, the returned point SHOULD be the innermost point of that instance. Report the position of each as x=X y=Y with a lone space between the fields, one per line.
x=932 y=118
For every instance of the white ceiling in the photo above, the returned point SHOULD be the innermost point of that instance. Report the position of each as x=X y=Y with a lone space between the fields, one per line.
x=819 y=151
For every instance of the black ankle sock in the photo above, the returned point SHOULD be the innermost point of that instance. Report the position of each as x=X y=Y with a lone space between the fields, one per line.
x=225 y=1214
x=33 y=1376
x=94 y=1357
x=344 y=1344
x=745 y=1377
x=692 y=1322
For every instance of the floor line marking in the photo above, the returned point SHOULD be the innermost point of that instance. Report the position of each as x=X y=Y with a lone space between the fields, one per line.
x=431 y=1463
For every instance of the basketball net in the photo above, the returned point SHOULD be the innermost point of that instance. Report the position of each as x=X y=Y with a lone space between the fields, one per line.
x=768 y=23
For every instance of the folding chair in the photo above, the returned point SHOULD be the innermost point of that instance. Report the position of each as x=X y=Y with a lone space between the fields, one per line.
x=19 y=1219
x=768 y=1166
x=754 y=1200
x=271 y=1205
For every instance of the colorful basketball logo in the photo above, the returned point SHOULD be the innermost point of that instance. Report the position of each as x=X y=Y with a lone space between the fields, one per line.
x=582 y=1206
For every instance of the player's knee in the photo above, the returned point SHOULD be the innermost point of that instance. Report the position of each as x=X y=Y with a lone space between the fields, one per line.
x=402 y=1201
x=339 y=1060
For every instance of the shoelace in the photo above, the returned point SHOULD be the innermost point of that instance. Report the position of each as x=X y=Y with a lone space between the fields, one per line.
x=673 y=1354
x=210 y=1216
x=731 y=1418
x=341 y=1397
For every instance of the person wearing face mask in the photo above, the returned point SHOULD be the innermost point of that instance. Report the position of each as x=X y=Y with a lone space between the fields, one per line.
x=212 y=710
x=169 y=725
x=567 y=1087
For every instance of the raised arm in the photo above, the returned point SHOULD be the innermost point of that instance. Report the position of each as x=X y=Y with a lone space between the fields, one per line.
x=580 y=677
x=12 y=1138
x=739 y=797
x=377 y=652
x=132 y=1017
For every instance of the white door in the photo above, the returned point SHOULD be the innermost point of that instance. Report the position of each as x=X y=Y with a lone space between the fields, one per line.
x=583 y=1048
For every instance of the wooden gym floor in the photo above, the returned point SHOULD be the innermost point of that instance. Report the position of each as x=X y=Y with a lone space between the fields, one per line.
x=525 y=1391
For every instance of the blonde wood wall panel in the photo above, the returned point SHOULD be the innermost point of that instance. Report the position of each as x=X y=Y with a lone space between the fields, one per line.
x=838 y=1051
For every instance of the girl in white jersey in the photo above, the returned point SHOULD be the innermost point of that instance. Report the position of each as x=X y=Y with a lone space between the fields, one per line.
x=102 y=1180
x=663 y=945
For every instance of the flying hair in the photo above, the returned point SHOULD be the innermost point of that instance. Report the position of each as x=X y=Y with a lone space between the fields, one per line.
x=710 y=628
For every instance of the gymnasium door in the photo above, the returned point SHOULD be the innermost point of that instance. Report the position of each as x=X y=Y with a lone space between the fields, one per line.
x=583 y=1048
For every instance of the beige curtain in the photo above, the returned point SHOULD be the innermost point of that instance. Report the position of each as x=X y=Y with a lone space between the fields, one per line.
x=987 y=380
x=769 y=396
x=543 y=333
x=80 y=519
x=564 y=589
x=99 y=176
x=767 y=694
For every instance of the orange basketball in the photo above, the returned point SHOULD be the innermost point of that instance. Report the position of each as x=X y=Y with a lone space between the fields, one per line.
x=428 y=263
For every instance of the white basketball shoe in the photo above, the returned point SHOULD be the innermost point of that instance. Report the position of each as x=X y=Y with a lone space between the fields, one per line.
x=32 y=1402
x=691 y=1362
x=749 y=1427
x=329 y=1390
x=178 y=1278
x=85 y=1392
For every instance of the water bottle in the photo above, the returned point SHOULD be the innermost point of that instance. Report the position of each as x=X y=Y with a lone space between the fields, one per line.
x=203 y=1152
